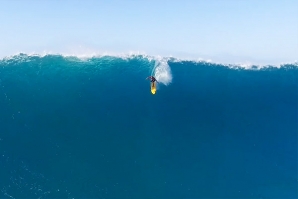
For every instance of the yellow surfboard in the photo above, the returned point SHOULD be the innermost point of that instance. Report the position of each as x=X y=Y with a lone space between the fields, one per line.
x=153 y=88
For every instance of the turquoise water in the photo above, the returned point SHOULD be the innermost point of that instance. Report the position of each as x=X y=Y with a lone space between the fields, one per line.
x=90 y=128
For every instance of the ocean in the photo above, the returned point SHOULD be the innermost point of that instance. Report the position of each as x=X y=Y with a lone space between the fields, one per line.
x=89 y=127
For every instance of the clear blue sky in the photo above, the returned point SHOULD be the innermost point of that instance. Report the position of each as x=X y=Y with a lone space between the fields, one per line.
x=221 y=30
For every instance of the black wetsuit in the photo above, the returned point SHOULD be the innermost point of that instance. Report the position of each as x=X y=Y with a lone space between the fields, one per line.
x=153 y=79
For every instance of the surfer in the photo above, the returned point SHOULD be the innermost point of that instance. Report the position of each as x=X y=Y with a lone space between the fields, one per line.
x=153 y=84
x=152 y=79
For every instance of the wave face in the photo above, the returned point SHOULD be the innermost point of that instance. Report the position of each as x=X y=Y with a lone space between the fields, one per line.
x=90 y=128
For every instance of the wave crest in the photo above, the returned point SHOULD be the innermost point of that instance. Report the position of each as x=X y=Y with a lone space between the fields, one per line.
x=161 y=69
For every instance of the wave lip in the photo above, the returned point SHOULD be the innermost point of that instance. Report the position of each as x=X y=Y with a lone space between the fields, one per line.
x=161 y=61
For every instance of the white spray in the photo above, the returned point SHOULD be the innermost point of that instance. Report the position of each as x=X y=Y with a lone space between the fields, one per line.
x=162 y=72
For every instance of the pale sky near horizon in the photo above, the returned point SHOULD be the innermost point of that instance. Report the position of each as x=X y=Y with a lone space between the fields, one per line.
x=256 y=31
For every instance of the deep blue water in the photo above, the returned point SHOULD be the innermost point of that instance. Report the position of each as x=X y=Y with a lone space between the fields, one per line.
x=90 y=128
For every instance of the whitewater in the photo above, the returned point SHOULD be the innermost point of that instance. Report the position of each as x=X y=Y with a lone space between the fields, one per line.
x=88 y=127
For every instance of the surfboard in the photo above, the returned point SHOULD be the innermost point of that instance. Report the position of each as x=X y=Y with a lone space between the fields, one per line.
x=153 y=88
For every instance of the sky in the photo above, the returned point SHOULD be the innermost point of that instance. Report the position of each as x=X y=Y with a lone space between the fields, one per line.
x=227 y=31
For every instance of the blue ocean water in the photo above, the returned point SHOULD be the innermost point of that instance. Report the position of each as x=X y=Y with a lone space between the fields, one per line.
x=90 y=128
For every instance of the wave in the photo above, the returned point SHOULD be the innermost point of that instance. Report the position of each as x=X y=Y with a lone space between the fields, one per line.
x=65 y=118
